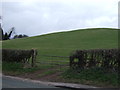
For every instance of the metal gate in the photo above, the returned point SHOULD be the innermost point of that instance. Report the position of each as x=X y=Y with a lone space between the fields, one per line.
x=59 y=63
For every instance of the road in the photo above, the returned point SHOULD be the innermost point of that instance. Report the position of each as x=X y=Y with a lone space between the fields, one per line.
x=8 y=82
x=11 y=82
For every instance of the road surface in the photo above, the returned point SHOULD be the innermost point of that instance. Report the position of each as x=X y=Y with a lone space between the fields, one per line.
x=13 y=82
x=8 y=82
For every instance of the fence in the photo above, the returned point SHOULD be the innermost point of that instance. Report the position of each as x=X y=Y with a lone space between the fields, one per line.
x=60 y=63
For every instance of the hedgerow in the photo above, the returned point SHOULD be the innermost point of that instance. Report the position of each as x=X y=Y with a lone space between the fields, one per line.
x=103 y=58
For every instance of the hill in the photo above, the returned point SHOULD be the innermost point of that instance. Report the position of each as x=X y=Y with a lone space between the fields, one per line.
x=63 y=43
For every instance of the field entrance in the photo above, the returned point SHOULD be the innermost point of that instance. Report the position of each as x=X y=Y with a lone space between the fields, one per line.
x=59 y=63
x=50 y=67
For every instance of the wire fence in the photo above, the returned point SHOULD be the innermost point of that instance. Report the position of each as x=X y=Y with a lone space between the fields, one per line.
x=60 y=63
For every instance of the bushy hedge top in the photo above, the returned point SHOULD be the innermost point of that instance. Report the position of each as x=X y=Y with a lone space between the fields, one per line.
x=16 y=55
x=106 y=58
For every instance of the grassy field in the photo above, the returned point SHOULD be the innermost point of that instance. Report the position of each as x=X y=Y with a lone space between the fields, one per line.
x=62 y=44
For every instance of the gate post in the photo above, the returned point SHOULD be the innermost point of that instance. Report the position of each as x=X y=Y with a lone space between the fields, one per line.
x=34 y=57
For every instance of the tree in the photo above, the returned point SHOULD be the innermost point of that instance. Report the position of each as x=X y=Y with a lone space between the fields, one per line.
x=20 y=36
x=6 y=35
x=1 y=33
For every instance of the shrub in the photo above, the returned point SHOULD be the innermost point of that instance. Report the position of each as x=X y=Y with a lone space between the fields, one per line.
x=103 y=58
x=23 y=56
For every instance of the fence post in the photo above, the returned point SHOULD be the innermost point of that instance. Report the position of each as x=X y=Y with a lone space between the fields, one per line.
x=34 y=57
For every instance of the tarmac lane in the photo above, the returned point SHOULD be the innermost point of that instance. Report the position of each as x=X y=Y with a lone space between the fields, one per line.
x=16 y=83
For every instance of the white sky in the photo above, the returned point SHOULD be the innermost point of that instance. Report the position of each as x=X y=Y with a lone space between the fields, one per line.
x=36 y=17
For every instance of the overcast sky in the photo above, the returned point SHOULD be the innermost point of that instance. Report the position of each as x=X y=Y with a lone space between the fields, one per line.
x=36 y=17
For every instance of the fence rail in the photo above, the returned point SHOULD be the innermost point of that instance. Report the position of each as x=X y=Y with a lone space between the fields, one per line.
x=53 y=63
x=56 y=62
x=56 y=56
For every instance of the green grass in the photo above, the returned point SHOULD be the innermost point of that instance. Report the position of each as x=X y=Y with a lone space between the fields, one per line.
x=62 y=44
x=15 y=68
x=92 y=76
x=55 y=43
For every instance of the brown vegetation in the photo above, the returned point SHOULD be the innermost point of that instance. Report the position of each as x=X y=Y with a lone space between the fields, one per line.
x=105 y=58
x=23 y=56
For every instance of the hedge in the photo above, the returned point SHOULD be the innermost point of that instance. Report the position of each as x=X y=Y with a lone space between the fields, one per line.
x=12 y=55
x=104 y=58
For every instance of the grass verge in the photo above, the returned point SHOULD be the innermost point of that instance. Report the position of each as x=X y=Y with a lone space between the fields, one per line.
x=94 y=76
x=15 y=68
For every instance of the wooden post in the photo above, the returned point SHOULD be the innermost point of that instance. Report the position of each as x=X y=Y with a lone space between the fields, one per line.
x=34 y=57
